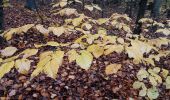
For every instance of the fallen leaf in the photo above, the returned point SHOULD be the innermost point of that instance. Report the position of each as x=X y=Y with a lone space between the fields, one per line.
x=153 y=93
x=112 y=68
x=23 y=65
x=72 y=55
x=8 y=51
x=84 y=60
x=96 y=50
x=5 y=68
x=113 y=48
x=142 y=74
x=49 y=64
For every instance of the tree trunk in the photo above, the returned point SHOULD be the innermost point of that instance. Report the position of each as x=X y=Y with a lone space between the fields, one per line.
x=1 y=15
x=156 y=8
x=103 y=7
x=168 y=13
x=141 y=13
x=30 y=4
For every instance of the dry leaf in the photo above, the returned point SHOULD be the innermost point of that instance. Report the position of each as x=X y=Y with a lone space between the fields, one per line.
x=5 y=68
x=112 y=68
x=72 y=55
x=23 y=65
x=84 y=60
x=8 y=51
x=96 y=50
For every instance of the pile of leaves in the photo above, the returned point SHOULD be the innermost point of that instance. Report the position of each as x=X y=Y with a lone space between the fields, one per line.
x=85 y=58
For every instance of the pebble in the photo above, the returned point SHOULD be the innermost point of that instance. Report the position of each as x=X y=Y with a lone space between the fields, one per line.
x=22 y=78
x=28 y=89
x=44 y=93
x=64 y=74
x=26 y=83
x=10 y=82
x=16 y=86
x=42 y=77
x=12 y=93
x=35 y=95
x=53 y=95
x=71 y=76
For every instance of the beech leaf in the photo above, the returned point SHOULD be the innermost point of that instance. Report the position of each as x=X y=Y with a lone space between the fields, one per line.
x=23 y=65
x=84 y=60
x=112 y=68
x=8 y=51
x=5 y=68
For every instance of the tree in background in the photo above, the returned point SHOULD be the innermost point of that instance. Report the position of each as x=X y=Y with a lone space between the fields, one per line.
x=156 y=8
x=30 y=4
x=141 y=13
x=1 y=15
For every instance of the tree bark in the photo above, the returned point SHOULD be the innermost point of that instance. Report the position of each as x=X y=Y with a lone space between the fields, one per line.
x=156 y=8
x=30 y=4
x=1 y=15
x=141 y=13
x=168 y=13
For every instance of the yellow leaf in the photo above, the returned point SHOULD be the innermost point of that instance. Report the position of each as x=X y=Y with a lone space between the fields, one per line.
x=23 y=65
x=89 y=7
x=84 y=60
x=149 y=61
x=8 y=34
x=40 y=66
x=112 y=68
x=72 y=55
x=102 y=31
x=157 y=77
x=127 y=29
x=77 y=21
x=101 y=21
x=49 y=63
x=142 y=74
x=29 y=52
x=10 y=59
x=113 y=48
x=68 y=12
x=164 y=73
x=38 y=45
x=45 y=54
x=50 y=43
x=159 y=42
x=41 y=29
x=97 y=7
x=5 y=68
x=146 y=20
x=161 y=54
x=164 y=31
x=57 y=30
x=58 y=56
x=137 y=50
x=1 y=60
x=55 y=5
x=121 y=40
x=63 y=4
x=96 y=50
x=78 y=1
x=8 y=51
x=152 y=81
x=109 y=39
x=25 y=28
x=75 y=45
x=87 y=26
x=51 y=68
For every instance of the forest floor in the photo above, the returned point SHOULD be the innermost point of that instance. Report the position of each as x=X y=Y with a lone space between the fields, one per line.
x=73 y=82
